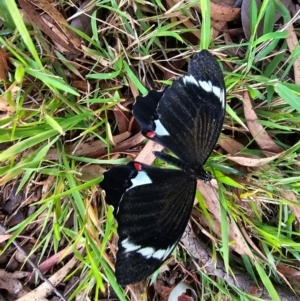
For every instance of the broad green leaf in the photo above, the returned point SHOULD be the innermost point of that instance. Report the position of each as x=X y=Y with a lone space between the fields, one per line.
x=267 y=282
x=131 y=76
x=288 y=95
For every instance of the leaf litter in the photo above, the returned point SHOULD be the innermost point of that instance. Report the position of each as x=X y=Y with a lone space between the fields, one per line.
x=226 y=21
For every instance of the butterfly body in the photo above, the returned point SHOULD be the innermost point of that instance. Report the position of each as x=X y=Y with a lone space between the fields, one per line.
x=152 y=205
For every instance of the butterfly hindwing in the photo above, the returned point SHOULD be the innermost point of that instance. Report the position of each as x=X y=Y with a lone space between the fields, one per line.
x=189 y=115
x=152 y=212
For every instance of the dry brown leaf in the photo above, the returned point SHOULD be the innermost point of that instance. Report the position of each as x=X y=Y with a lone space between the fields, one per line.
x=82 y=19
x=3 y=66
x=5 y=106
x=57 y=17
x=12 y=286
x=81 y=85
x=129 y=143
x=133 y=87
x=230 y=145
x=290 y=196
x=245 y=17
x=162 y=290
x=219 y=9
x=257 y=130
x=183 y=292
x=92 y=149
x=253 y=161
x=15 y=275
x=44 y=289
x=217 y=27
x=172 y=5
x=289 y=272
x=224 y=13
x=60 y=41
x=90 y=172
x=46 y=265
x=5 y=237
x=47 y=185
x=121 y=120
x=213 y=205
x=292 y=42
x=47 y=27
x=146 y=155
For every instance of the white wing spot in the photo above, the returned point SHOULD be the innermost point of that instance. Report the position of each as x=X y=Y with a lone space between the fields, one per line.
x=147 y=252
x=141 y=179
x=222 y=98
x=217 y=91
x=189 y=79
x=206 y=86
x=159 y=254
x=129 y=246
x=160 y=130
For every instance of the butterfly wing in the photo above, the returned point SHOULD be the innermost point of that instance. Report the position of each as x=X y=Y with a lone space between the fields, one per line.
x=187 y=117
x=152 y=207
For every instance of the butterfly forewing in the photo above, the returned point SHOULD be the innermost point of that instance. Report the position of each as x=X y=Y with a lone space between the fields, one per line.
x=152 y=214
x=189 y=116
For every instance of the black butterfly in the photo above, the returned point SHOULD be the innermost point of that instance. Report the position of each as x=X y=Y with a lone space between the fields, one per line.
x=152 y=205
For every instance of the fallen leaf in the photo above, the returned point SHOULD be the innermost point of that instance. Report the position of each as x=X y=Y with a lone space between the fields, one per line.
x=47 y=27
x=5 y=237
x=182 y=292
x=82 y=18
x=289 y=272
x=257 y=131
x=49 y=9
x=253 y=161
x=12 y=286
x=212 y=202
x=224 y=13
x=46 y=265
x=6 y=105
x=81 y=85
x=90 y=172
x=146 y=155
x=290 y=196
x=293 y=43
x=92 y=149
x=44 y=289
x=121 y=119
x=230 y=145
x=3 y=66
